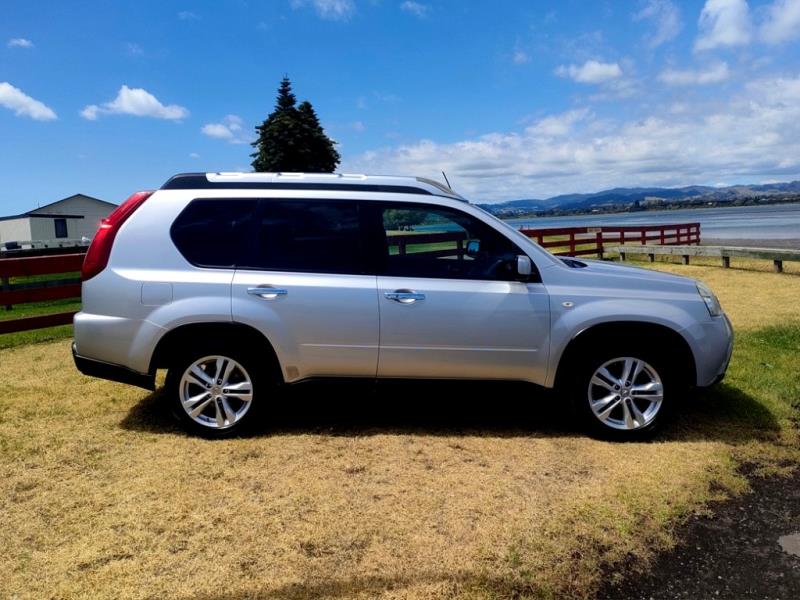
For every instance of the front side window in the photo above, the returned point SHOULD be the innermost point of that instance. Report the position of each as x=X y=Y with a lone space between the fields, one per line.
x=311 y=236
x=420 y=240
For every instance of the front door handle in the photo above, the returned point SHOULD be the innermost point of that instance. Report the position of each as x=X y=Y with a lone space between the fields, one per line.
x=404 y=296
x=267 y=292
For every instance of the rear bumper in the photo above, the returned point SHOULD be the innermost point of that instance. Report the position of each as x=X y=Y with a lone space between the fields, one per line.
x=111 y=372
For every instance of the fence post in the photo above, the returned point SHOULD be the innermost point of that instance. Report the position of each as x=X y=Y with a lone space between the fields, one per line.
x=6 y=287
x=599 y=241
x=661 y=231
x=572 y=243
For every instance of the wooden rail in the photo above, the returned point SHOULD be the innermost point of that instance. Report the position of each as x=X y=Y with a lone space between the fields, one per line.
x=776 y=255
x=38 y=291
x=582 y=241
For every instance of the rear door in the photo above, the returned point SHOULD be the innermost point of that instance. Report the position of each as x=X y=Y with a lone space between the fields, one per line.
x=304 y=283
x=451 y=302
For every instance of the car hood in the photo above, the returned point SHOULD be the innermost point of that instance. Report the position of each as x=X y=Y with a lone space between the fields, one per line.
x=606 y=273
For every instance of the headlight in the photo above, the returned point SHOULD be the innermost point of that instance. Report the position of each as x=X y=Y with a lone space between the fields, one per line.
x=713 y=305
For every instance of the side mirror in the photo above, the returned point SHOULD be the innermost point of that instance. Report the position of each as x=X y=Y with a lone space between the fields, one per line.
x=524 y=266
x=473 y=246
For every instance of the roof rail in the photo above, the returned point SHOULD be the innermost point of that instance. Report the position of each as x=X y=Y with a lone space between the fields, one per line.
x=309 y=181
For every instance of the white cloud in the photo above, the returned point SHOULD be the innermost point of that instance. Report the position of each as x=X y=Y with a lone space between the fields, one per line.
x=520 y=57
x=666 y=17
x=754 y=133
x=417 y=9
x=715 y=73
x=333 y=10
x=194 y=155
x=187 y=15
x=137 y=102
x=591 y=71
x=23 y=105
x=230 y=130
x=19 y=43
x=782 y=22
x=723 y=23
x=558 y=125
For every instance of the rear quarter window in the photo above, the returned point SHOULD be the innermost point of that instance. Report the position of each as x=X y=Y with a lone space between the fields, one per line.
x=212 y=232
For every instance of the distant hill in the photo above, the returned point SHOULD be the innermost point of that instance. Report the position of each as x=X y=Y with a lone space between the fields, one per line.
x=650 y=197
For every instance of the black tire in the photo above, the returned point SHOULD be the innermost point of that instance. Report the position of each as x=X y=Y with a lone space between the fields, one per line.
x=244 y=368
x=651 y=363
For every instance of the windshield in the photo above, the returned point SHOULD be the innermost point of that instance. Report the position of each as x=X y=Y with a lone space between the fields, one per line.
x=517 y=233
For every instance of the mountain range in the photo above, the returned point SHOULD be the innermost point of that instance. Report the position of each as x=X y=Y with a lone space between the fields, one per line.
x=646 y=197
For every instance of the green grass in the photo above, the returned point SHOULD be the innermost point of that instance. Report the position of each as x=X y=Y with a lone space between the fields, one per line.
x=34 y=336
x=34 y=309
x=47 y=277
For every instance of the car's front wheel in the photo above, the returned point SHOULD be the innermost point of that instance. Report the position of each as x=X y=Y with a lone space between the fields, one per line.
x=214 y=392
x=623 y=394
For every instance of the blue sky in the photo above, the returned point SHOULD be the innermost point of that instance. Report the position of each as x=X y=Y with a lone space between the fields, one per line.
x=511 y=99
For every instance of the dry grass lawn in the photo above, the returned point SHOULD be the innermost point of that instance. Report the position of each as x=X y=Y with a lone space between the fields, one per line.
x=347 y=493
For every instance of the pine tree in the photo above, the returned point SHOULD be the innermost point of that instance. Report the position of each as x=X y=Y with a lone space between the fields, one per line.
x=292 y=139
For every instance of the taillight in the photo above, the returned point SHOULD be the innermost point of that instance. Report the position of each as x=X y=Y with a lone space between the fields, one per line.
x=96 y=257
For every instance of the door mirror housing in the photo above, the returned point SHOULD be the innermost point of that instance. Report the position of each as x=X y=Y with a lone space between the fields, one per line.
x=473 y=246
x=524 y=266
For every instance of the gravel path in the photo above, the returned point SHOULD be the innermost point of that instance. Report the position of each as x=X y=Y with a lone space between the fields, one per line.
x=744 y=550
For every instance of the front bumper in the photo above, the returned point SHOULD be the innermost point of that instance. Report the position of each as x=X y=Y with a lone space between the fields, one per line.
x=728 y=352
x=111 y=372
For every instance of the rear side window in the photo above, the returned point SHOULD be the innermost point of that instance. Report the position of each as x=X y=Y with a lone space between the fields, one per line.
x=212 y=233
x=311 y=236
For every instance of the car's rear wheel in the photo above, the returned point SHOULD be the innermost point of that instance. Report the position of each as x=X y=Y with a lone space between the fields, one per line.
x=623 y=394
x=215 y=392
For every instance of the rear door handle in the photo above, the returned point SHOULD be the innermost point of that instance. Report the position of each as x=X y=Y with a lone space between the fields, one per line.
x=404 y=296
x=267 y=292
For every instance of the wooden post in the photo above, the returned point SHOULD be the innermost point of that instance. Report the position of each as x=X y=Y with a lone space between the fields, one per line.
x=686 y=259
x=726 y=262
x=661 y=229
x=599 y=241
x=6 y=287
x=572 y=243
x=644 y=236
x=777 y=265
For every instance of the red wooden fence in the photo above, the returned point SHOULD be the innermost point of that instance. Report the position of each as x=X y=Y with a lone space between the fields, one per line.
x=11 y=294
x=592 y=240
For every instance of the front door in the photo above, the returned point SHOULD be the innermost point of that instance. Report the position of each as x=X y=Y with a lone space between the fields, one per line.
x=451 y=302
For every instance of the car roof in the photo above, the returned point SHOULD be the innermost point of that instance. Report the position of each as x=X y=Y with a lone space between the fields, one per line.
x=310 y=181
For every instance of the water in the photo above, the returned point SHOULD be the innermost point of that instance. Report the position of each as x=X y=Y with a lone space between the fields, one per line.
x=773 y=222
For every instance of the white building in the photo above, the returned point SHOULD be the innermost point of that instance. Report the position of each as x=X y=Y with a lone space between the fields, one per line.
x=72 y=218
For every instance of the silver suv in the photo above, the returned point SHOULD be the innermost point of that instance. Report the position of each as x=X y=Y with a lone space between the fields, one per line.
x=240 y=283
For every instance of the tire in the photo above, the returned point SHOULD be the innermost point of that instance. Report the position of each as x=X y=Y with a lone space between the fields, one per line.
x=217 y=390
x=613 y=406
